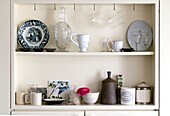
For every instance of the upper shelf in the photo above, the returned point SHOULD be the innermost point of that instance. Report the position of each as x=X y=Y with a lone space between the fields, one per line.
x=89 y=1
x=87 y=53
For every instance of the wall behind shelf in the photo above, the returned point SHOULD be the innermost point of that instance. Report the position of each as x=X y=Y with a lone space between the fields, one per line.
x=79 y=20
x=83 y=70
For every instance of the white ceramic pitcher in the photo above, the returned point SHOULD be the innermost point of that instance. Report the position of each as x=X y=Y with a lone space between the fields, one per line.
x=82 y=41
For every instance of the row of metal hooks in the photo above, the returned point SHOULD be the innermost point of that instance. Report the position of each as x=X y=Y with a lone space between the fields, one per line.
x=94 y=7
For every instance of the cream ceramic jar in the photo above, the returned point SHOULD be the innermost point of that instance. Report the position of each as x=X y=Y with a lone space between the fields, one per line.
x=143 y=93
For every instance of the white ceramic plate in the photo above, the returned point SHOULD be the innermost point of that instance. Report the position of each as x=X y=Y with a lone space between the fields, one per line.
x=33 y=34
x=54 y=101
x=139 y=35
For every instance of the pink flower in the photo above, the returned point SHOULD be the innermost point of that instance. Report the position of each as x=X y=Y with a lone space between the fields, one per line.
x=83 y=91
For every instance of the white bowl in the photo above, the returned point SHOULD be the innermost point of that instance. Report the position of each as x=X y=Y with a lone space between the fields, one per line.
x=91 y=98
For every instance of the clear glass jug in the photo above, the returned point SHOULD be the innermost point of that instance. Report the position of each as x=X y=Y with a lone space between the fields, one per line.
x=62 y=32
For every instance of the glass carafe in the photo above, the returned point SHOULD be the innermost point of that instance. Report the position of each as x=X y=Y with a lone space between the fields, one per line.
x=62 y=32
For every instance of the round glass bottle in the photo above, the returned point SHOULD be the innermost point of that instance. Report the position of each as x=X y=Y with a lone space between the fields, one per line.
x=62 y=32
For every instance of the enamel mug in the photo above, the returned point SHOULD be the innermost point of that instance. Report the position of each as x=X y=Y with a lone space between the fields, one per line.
x=21 y=97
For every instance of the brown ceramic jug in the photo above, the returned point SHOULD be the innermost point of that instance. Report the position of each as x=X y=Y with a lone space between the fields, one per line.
x=108 y=92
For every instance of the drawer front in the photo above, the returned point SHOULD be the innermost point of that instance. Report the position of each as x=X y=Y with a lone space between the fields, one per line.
x=121 y=113
x=55 y=113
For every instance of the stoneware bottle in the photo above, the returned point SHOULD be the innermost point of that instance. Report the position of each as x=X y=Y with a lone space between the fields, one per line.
x=108 y=92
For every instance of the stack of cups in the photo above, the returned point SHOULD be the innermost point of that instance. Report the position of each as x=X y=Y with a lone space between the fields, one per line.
x=33 y=98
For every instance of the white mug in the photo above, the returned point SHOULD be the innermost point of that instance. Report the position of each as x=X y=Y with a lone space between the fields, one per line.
x=117 y=45
x=35 y=98
x=82 y=41
x=127 y=95
x=21 y=97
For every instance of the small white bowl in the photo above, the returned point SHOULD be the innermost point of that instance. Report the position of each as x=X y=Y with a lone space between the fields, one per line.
x=91 y=98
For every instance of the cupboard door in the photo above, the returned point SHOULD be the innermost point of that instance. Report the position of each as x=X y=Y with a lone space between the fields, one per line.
x=164 y=55
x=5 y=57
x=121 y=113
x=56 y=113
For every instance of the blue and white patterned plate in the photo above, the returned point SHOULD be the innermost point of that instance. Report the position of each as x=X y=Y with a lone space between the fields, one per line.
x=57 y=89
x=33 y=34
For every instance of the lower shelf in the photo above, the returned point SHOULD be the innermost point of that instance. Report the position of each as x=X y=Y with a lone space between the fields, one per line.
x=84 y=107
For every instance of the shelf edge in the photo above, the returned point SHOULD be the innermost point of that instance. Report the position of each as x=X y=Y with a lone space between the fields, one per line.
x=86 y=53
x=85 y=107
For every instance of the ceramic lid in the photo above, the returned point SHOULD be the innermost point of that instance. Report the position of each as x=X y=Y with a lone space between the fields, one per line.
x=143 y=85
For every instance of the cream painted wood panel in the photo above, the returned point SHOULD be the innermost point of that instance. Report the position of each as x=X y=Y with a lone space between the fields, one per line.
x=56 y=113
x=121 y=113
x=5 y=57
x=164 y=56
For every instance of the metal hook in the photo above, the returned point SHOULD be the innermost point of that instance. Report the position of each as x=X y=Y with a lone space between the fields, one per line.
x=134 y=7
x=94 y=7
x=74 y=6
x=54 y=6
x=114 y=6
x=35 y=8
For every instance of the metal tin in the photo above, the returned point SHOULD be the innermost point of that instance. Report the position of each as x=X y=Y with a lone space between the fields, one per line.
x=127 y=95
x=143 y=93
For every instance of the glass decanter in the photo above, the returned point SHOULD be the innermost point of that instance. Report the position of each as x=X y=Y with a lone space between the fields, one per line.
x=62 y=32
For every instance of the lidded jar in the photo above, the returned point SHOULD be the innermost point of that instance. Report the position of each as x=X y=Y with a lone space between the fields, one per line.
x=143 y=93
x=62 y=31
x=108 y=92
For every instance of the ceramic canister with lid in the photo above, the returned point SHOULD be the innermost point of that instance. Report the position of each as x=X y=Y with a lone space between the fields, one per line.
x=143 y=93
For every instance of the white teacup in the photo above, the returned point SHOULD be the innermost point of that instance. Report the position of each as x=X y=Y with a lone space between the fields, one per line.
x=35 y=98
x=117 y=45
x=82 y=41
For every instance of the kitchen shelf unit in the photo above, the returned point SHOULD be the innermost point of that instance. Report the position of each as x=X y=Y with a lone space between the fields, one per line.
x=22 y=62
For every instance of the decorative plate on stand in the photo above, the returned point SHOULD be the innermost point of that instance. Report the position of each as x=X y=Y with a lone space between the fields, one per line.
x=139 y=35
x=33 y=34
x=57 y=89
